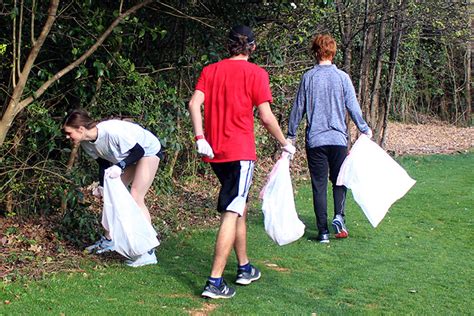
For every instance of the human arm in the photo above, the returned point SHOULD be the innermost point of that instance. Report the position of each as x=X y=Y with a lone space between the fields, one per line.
x=297 y=112
x=271 y=125
x=103 y=164
x=195 y=104
x=134 y=154
x=353 y=108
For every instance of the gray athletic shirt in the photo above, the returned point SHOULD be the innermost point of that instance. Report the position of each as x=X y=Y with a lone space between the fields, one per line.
x=324 y=94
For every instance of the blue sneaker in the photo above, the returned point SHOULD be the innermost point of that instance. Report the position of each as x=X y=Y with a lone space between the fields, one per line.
x=101 y=246
x=339 y=226
x=222 y=291
x=245 y=278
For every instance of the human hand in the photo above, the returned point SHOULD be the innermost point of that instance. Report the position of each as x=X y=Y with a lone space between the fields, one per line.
x=113 y=172
x=98 y=191
x=291 y=141
x=289 y=148
x=204 y=149
x=369 y=134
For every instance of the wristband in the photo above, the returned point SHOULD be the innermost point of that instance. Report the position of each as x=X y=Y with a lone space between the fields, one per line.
x=198 y=137
x=122 y=164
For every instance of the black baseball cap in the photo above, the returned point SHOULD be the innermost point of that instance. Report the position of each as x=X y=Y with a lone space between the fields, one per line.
x=241 y=30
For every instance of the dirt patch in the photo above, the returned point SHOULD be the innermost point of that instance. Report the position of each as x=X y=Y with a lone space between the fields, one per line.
x=206 y=309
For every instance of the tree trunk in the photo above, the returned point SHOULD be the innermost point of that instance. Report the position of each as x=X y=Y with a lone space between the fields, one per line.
x=345 y=28
x=364 y=81
x=16 y=104
x=375 y=109
x=468 y=69
x=394 y=49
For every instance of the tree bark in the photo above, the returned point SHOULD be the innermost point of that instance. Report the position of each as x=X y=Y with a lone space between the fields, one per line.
x=16 y=104
x=468 y=69
x=394 y=49
x=364 y=81
x=375 y=109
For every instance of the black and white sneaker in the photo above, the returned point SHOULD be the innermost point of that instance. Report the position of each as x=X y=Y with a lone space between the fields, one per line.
x=245 y=278
x=212 y=291
x=323 y=238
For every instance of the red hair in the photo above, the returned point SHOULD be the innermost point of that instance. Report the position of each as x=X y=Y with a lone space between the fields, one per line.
x=324 y=47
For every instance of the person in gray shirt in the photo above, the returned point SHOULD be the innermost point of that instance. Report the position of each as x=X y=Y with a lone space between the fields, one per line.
x=324 y=95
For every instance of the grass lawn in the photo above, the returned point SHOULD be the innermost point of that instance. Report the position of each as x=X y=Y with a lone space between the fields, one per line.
x=419 y=260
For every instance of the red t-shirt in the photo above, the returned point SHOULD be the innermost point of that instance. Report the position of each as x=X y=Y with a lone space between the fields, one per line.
x=231 y=89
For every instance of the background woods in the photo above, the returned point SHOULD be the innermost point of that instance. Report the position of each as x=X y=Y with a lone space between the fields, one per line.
x=139 y=60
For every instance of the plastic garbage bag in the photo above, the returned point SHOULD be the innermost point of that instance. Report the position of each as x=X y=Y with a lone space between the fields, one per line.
x=280 y=218
x=132 y=233
x=375 y=179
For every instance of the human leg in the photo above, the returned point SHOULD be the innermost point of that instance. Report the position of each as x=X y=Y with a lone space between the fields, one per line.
x=235 y=179
x=128 y=175
x=337 y=154
x=224 y=242
x=318 y=168
x=336 y=158
x=145 y=171
x=246 y=273
x=240 y=244
x=141 y=176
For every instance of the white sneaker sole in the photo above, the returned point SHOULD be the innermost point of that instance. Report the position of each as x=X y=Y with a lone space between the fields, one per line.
x=207 y=294
x=247 y=281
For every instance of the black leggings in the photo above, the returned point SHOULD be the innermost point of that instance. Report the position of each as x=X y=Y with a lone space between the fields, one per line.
x=322 y=160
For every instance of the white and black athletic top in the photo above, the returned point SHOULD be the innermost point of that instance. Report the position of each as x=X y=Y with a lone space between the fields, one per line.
x=122 y=143
x=116 y=138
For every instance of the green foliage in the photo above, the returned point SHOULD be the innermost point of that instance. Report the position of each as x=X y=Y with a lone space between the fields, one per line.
x=79 y=225
x=147 y=69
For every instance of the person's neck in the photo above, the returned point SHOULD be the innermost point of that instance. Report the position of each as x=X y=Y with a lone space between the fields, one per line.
x=91 y=134
x=239 y=57
x=325 y=62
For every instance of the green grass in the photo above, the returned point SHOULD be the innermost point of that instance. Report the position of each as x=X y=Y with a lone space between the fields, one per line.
x=417 y=261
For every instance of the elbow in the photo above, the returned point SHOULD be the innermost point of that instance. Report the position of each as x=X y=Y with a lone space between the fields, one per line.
x=190 y=104
x=267 y=118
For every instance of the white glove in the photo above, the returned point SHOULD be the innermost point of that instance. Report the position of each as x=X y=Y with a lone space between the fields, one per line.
x=204 y=148
x=369 y=134
x=289 y=148
x=98 y=191
x=113 y=172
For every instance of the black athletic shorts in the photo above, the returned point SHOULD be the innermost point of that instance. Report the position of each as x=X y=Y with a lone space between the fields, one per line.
x=235 y=178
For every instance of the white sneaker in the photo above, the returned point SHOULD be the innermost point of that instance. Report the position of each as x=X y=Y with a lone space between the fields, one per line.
x=101 y=246
x=143 y=260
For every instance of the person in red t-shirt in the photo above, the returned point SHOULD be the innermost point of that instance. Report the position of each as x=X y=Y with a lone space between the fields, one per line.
x=229 y=90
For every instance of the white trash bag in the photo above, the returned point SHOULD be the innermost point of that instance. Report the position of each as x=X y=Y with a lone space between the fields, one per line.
x=375 y=179
x=281 y=220
x=131 y=232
